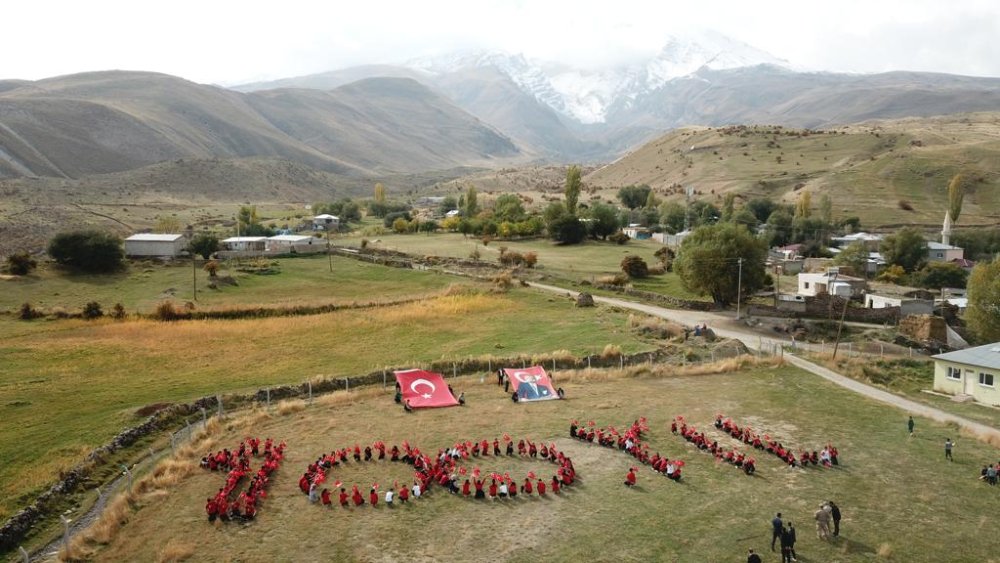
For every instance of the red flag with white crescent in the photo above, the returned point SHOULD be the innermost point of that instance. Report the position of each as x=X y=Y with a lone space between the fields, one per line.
x=424 y=389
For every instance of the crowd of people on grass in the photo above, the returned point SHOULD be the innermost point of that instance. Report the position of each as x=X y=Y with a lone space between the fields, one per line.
x=629 y=441
x=237 y=465
x=828 y=456
x=731 y=456
x=443 y=470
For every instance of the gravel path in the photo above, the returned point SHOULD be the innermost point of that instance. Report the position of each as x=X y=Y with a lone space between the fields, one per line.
x=721 y=324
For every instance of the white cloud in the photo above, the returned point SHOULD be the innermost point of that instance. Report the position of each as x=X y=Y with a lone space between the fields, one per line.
x=229 y=41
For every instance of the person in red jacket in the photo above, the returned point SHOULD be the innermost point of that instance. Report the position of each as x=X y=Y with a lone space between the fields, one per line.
x=212 y=509
x=493 y=489
x=373 y=497
x=555 y=485
x=630 y=478
x=466 y=488
x=343 y=497
x=404 y=494
x=356 y=497
x=527 y=488
x=541 y=488
x=325 y=497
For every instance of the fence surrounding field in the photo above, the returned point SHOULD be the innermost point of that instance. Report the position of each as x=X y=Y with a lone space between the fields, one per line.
x=182 y=420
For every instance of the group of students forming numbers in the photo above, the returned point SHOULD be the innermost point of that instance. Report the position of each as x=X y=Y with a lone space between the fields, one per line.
x=442 y=470
x=629 y=441
x=237 y=465
x=826 y=457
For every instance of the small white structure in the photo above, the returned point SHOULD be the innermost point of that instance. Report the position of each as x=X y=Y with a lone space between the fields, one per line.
x=325 y=222
x=673 y=241
x=292 y=243
x=973 y=371
x=939 y=252
x=155 y=245
x=812 y=284
x=245 y=244
x=871 y=241
x=907 y=306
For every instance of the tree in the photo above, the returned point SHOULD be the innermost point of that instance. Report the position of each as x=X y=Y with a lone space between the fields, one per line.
x=90 y=251
x=167 y=225
x=779 y=228
x=983 y=313
x=803 y=207
x=212 y=267
x=563 y=227
x=906 y=248
x=651 y=200
x=708 y=262
x=471 y=205
x=21 y=264
x=448 y=204
x=603 y=221
x=572 y=189
x=728 y=203
x=379 y=193
x=855 y=256
x=400 y=224
x=634 y=266
x=204 y=245
x=956 y=194
x=389 y=220
x=893 y=274
x=634 y=197
x=672 y=216
x=247 y=217
x=508 y=207
x=936 y=275
x=762 y=208
x=826 y=209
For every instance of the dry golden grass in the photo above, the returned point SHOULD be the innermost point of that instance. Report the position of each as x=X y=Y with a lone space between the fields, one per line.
x=291 y=406
x=653 y=371
x=176 y=551
x=611 y=351
x=885 y=551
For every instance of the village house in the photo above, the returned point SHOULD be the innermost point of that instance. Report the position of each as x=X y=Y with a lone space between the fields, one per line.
x=325 y=222
x=812 y=284
x=940 y=252
x=973 y=372
x=293 y=243
x=152 y=245
x=245 y=244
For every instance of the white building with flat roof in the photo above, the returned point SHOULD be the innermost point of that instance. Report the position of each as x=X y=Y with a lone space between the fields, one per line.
x=973 y=371
x=155 y=245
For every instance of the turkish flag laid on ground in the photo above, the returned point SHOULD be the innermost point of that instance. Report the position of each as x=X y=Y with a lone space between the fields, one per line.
x=423 y=389
x=531 y=384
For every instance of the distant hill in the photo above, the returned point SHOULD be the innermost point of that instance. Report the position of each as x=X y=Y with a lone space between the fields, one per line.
x=106 y=122
x=868 y=169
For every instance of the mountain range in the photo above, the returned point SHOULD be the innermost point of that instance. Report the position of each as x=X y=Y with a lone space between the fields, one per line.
x=560 y=113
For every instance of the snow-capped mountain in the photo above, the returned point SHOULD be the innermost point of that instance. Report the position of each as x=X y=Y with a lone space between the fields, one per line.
x=587 y=95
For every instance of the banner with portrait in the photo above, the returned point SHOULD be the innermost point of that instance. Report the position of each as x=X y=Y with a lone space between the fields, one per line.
x=531 y=384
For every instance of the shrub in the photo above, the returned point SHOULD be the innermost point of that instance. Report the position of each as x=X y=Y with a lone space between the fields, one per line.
x=212 y=267
x=91 y=251
x=511 y=258
x=619 y=238
x=503 y=281
x=118 y=312
x=611 y=351
x=21 y=264
x=27 y=312
x=474 y=254
x=92 y=310
x=905 y=205
x=634 y=266
x=167 y=311
x=892 y=274
x=617 y=280
x=530 y=259
x=657 y=270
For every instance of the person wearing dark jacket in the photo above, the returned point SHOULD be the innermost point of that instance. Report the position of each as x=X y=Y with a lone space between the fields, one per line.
x=786 y=545
x=835 y=513
x=752 y=557
x=776 y=526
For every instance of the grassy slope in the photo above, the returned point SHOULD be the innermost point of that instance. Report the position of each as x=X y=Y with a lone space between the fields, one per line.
x=71 y=385
x=889 y=487
x=866 y=168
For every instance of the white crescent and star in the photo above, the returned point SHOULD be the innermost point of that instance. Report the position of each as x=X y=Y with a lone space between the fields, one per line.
x=418 y=382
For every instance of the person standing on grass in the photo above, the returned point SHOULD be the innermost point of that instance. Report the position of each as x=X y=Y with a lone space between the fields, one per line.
x=776 y=526
x=822 y=517
x=835 y=514
x=752 y=557
x=909 y=425
x=786 y=545
x=948 y=445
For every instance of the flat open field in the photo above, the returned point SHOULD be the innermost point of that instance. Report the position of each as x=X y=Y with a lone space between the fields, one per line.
x=901 y=501
x=71 y=385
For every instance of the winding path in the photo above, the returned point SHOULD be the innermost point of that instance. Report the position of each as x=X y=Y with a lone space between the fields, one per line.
x=755 y=341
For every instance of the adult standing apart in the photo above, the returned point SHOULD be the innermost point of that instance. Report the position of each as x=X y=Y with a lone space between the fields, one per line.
x=948 y=445
x=835 y=514
x=776 y=527
x=822 y=517
x=786 y=546
x=909 y=425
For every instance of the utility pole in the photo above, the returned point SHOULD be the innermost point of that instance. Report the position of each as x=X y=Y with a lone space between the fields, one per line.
x=194 y=274
x=329 y=256
x=840 y=327
x=739 y=287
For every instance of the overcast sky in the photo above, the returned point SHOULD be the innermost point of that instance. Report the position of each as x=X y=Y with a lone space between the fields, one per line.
x=229 y=42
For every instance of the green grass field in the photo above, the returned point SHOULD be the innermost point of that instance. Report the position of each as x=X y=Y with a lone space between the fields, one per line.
x=71 y=385
x=901 y=501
